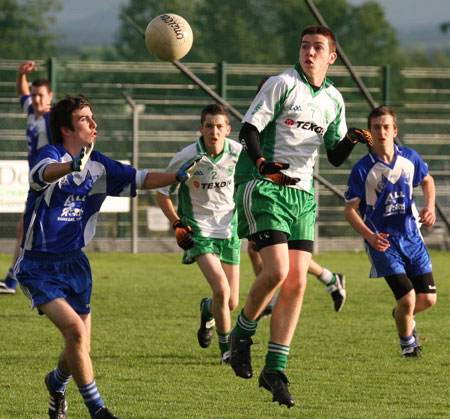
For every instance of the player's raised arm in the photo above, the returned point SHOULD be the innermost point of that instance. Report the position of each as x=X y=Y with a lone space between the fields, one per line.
x=342 y=151
x=25 y=68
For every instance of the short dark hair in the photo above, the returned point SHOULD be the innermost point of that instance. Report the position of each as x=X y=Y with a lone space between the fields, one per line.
x=61 y=114
x=42 y=82
x=214 y=109
x=380 y=111
x=320 y=30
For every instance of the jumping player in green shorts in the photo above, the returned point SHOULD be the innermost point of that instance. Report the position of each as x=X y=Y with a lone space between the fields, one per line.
x=289 y=118
x=205 y=223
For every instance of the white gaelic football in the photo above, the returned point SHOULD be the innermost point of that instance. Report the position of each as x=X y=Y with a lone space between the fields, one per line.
x=169 y=37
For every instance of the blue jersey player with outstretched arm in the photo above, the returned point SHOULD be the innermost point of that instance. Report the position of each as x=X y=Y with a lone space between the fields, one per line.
x=380 y=207
x=69 y=183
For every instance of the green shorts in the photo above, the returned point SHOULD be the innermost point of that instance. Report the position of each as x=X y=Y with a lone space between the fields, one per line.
x=264 y=205
x=229 y=250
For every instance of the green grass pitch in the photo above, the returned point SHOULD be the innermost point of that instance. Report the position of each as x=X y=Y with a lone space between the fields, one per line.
x=148 y=363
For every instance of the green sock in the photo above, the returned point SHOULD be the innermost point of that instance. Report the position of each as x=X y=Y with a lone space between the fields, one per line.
x=333 y=280
x=245 y=327
x=277 y=356
x=224 y=343
x=206 y=309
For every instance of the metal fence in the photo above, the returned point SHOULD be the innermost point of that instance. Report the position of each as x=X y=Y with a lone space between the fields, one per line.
x=166 y=118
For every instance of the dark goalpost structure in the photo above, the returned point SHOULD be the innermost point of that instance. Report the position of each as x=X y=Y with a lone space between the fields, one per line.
x=239 y=116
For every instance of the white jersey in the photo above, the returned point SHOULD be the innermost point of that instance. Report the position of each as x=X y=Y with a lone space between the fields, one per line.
x=205 y=201
x=293 y=121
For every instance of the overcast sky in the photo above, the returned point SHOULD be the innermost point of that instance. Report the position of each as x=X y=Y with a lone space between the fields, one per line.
x=417 y=21
x=413 y=12
x=403 y=12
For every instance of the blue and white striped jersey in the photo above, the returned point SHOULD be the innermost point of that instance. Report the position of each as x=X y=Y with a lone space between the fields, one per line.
x=61 y=216
x=38 y=130
x=386 y=191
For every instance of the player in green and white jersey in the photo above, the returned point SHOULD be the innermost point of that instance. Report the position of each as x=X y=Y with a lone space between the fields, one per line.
x=205 y=222
x=291 y=116
x=335 y=282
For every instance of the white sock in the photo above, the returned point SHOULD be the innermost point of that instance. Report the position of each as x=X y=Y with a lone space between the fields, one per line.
x=326 y=276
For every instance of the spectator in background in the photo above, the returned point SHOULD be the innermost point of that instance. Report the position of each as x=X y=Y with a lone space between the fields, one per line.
x=36 y=104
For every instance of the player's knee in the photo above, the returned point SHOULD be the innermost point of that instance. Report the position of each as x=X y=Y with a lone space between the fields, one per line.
x=221 y=295
x=296 y=288
x=233 y=303
x=427 y=300
x=407 y=302
x=76 y=334
x=275 y=275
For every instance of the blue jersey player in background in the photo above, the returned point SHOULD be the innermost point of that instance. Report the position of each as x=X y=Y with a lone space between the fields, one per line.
x=381 y=208
x=35 y=102
x=69 y=183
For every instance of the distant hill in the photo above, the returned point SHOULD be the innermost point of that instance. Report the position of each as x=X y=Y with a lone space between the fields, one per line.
x=77 y=31
x=425 y=36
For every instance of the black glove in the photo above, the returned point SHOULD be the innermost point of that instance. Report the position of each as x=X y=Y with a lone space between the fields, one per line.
x=80 y=160
x=357 y=135
x=183 y=234
x=188 y=169
x=272 y=171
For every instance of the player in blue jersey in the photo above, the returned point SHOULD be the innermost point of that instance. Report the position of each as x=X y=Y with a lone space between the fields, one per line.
x=206 y=210
x=36 y=104
x=291 y=116
x=69 y=183
x=380 y=207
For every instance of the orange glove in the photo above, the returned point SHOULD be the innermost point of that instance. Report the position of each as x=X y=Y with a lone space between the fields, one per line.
x=272 y=171
x=183 y=234
x=356 y=135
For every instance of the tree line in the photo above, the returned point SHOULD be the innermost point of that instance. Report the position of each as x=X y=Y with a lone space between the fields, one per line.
x=235 y=31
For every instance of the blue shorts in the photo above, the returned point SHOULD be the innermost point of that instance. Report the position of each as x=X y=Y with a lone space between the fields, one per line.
x=44 y=277
x=407 y=255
